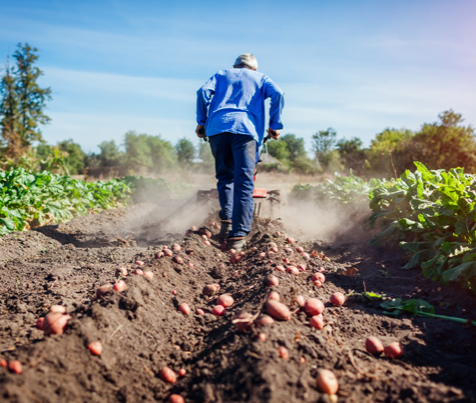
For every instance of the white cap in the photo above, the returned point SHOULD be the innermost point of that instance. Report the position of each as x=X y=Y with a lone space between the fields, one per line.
x=246 y=60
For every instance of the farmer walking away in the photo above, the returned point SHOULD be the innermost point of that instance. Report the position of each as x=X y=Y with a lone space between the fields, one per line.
x=231 y=113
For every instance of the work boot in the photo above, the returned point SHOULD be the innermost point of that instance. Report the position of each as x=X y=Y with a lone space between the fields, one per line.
x=224 y=230
x=236 y=243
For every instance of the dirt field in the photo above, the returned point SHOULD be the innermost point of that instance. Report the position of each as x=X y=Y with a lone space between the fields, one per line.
x=142 y=331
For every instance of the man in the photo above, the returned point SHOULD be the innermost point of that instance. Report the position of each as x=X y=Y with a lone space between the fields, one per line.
x=230 y=112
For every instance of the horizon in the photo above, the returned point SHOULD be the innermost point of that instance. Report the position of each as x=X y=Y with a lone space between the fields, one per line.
x=115 y=67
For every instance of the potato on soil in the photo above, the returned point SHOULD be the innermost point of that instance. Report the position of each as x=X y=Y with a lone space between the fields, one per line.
x=393 y=350
x=337 y=299
x=270 y=281
x=301 y=267
x=139 y=272
x=168 y=375
x=119 y=286
x=243 y=321
x=184 y=308
x=293 y=270
x=176 y=399
x=15 y=366
x=300 y=300
x=326 y=382
x=318 y=277
x=159 y=255
x=283 y=352
x=211 y=289
x=149 y=274
x=177 y=259
x=225 y=300
x=262 y=337
x=182 y=372
x=218 y=310
x=290 y=240
x=264 y=320
x=121 y=272
x=168 y=252
x=207 y=243
x=273 y=295
x=317 y=322
x=299 y=249
x=280 y=268
x=103 y=290
x=140 y=263
x=373 y=345
x=206 y=232
x=277 y=310
x=95 y=347
x=193 y=228
x=55 y=323
x=314 y=306
x=176 y=247
x=3 y=362
x=39 y=323
x=200 y=311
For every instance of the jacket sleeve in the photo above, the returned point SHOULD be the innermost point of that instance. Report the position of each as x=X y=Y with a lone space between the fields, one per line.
x=277 y=104
x=204 y=97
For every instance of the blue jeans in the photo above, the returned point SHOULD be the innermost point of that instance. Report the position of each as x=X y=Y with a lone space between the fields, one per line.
x=235 y=156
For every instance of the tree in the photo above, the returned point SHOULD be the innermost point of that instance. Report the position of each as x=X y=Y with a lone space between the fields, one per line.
x=75 y=161
x=290 y=150
x=351 y=154
x=23 y=102
x=110 y=154
x=185 y=151
x=279 y=150
x=205 y=154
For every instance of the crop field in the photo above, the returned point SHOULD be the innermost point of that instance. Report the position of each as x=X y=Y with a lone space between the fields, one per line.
x=112 y=293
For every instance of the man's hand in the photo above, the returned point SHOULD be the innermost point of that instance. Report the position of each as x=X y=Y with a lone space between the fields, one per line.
x=273 y=133
x=200 y=130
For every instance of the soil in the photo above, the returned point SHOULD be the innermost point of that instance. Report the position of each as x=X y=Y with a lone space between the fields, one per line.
x=142 y=330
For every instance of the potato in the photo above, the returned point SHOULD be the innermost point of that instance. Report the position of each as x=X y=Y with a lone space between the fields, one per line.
x=140 y=263
x=149 y=274
x=211 y=289
x=184 y=308
x=119 y=286
x=274 y=250
x=236 y=258
x=206 y=232
x=373 y=345
x=176 y=399
x=182 y=371
x=301 y=267
x=174 y=292
x=318 y=277
x=3 y=362
x=243 y=321
x=314 y=306
x=193 y=228
x=225 y=300
x=200 y=311
x=177 y=259
x=264 y=320
x=191 y=265
x=293 y=270
x=95 y=347
x=299 y=249
x=207 y=243
x=290 y=240
x=159 y=255
x=168 y=375
x=300 y=300
x=280 y=268
x=270 y=281
x=55 y=323
x=103 y=290
x=176 y=247
x=326 y=382
x=139 y=272
x=393 y=350
x=168 y=252
x=317 y=283
x=306 y=256
x=58 y=308
x=277 y=310
x=121 y=272
x=15 y=367
x=218 y=310
x=337 y=299
x=262 y=337
x=317 y=322
x=283 y=352
x=273 y=295
x=39 y=323
x=302 y=360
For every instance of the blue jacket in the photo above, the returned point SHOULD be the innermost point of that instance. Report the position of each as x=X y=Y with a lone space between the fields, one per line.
x=235 y=102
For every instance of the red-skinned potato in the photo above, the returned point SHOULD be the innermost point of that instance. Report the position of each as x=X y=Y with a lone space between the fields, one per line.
x=204 y=237
x=317 y=322
x=200 y=311
x=277 y=310
x=314 y=306
x=103 y=290
x=318 y=277
x=270 y=281
x=283 y=352
x=225 y=300
x=119 y=286
x=176 y=247
x=193 y=228
x=373 y=345
x=264 y=320
x=121 y=272
x=337 y=299
x=293 y=270
x=236 y=258
x=274 y=249
x=326 y=382
x=176 y=399
x=140 y=263
x=262 y=337
x=177 y=259
x=300 y=300
x=168 y=252
x=3 y=362
x=273 y=295
x=139 y=272
x=95 y=347
x=39 y=323
x=182 y=371
x=58 y=308
x=306 y=256
x=207 y=243
x=317 y=283
x=211 y=289
x=168 y=375
x=280 y=268
x=299 y=249
x=290 y=240
x=243 y=321
x=15 y=367
x=55 y=323
x=149 y=274
x=159 y=255
x=218 y=310
x=301 y=267
x=393 y=350
x=184 y=308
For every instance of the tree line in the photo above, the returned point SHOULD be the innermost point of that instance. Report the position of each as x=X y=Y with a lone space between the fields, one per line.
x=444 y=144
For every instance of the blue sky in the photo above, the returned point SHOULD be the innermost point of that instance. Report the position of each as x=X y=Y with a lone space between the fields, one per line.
x=355 y=65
